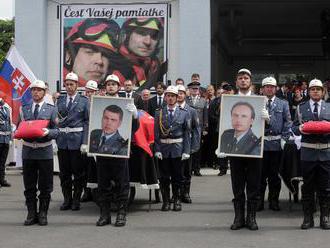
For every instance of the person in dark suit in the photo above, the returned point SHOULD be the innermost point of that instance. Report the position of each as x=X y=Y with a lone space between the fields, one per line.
x=241 y=139
x=158 y=101
x=108 y=140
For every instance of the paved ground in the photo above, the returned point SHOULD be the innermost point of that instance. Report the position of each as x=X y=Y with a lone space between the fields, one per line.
x=205 y=223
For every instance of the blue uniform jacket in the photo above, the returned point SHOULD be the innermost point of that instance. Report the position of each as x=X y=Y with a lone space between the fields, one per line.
x=5 y=125
x=280 y=124
x=46 y=112
x=179 y=128
x=77 y=116
x=304 y=114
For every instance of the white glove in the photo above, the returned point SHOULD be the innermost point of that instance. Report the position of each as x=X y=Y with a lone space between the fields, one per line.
x=159 y=155
x=204 y=133
x=10 y=142
x=301 y=129
x=185 y=156
x=131 y=108
x=55 y=148
x=46 y=131
x=13 y=127
x=83 y=148
x=265 y=115
x=220 y=154
x=282 y=144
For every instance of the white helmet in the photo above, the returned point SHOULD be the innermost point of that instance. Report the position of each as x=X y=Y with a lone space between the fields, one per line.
x=269 y=81
x=91 y=84
x=113 y=77
x=38 y=84
x=244 y=71
x=315 y=83
x=71 y=76
x=180 y=87
x=171 y=89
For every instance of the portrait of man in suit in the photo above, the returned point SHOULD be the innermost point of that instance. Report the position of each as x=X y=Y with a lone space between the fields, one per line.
x=241 y=139
x=108 y=139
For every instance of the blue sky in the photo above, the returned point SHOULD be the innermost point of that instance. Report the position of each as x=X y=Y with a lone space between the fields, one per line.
x=7 y=9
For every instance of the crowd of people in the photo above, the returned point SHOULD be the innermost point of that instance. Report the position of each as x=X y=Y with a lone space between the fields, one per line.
x=186 y=131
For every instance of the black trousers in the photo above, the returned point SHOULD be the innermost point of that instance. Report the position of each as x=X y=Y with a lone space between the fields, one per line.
x=37 y=175
x=4 y=148
x=90 y=167
x=245 y=174
x=170 y=170
x=196 y=161
x=71 y=163
x=270 y=172
x=113 y=179
x=316 y=176
x=223 y=163
x=186 y=171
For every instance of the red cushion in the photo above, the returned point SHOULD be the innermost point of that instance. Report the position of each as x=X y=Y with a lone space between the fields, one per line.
x=31 y=129
x=316 y=127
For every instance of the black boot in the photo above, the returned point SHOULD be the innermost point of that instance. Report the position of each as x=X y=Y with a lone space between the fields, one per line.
x=32 y=216
x=121 y=215
x=87 y=195
x=165 y=190
x=105 y=216
x=239 y=221
x=177 y=201
x=324 y=214
x=308 y=215
x=3 y=182
x=157 y=197
x=261 y=202
x=43 y=209
x=77 y=191
x=185 y=193
x=67 y=194
x=251 y=222
x=273 y=201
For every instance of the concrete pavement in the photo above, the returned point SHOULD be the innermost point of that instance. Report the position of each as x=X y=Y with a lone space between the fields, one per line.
x=205 y=223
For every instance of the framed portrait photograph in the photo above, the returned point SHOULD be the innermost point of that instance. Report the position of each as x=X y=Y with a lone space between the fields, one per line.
x=110 y=127
x=241 y=131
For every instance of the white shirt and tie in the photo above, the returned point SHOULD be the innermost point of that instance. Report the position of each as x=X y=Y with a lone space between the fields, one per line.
x=315 y=107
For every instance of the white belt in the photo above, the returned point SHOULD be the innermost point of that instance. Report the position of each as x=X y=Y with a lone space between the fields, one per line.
x=5 y=133
x=171 y=141
x=270 y=138
x=318 y=146
x=37 y=145
x=71 y=129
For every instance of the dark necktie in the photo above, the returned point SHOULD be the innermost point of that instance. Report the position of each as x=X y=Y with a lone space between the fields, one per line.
x=128 y=95
x=159 y=101
x=170 y=115
x=3 y=112
x=103 y=141
x=70 y=104
x=269 y=105
x=36 y=111
x=315 y=112
x=233 y=145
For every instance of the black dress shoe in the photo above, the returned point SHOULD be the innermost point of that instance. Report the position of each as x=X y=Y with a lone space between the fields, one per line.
x=4 y=183
x=103 y=221
x=120 y=220
x=197 y=174
x=222 y=173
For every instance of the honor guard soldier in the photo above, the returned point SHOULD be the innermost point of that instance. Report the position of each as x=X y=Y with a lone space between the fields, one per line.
x=91 y=89
x=37 y=155
x=5 y=139
x=315 y=156
x=245 y=172
x=195 y=143
x=277 y=132
x=200 y=104
x=73 y=125
x=172 y=145
x=112 y=172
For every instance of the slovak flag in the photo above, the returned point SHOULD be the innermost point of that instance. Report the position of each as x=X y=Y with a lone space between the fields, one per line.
x=15 y=79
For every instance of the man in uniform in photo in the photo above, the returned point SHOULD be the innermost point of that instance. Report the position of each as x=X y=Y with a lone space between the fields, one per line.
x=241 y=139
x=315 y=156
x=277 y=132
x=172 y=146
x=245 y=172
x=37 y=155
x=108 y=140
x=73 y=110
x=197 y=102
